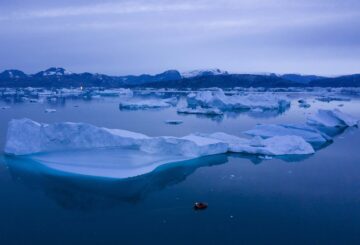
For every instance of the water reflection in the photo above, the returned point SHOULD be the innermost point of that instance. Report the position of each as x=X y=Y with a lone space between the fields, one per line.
x=88 y=193
x=258 y=159
x=257 y=114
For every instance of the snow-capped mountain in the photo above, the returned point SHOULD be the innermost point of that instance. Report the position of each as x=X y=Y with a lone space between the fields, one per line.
x=12 y=74
x=54 y=71
x=59 y=77
x=198 y=73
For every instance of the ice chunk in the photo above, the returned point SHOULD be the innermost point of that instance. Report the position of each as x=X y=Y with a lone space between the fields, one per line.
x=257 y=110
x=330 y=98
x=199 y=110
x=172 y=101
x=142 y=104
x=275 y=146
x=115 y=92
x=218 y=99
x=50 y=110
x=309 y=134
x=332 y=118
x=266 y=157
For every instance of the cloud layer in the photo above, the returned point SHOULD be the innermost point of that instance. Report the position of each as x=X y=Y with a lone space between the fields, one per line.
x=122 y=37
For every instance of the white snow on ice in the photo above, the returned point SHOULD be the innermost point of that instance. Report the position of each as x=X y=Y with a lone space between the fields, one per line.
x=308 y=133
x=332 y=118
x=218 y=99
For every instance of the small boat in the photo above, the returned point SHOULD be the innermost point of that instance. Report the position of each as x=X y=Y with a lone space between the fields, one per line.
x=200 y=206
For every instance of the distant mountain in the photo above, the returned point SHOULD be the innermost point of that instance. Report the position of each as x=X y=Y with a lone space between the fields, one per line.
x=59 y=77
x=301 y=78
x=199 y=73
x=343 y=81
x=170 y=75
x=227 y=81
x=12 y=74
x=53 y=71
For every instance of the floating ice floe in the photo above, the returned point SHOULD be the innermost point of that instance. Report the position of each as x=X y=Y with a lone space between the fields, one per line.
x=332 y=118
x=200 y=110
x=68 y=92
x=218 y=99
x=309 y=134
x=332 y=98
x=114 y=92
x=50 y=110
x=143 y=104
x=66 y=146
x=28 y=137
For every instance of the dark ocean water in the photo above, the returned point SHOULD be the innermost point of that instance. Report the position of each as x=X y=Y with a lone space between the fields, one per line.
x=309 y=200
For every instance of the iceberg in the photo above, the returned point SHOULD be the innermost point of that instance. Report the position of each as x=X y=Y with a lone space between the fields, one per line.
x=332 y=98
x=145 y=104
x=29 y=137
x=331 y=119
x=50 y=110
x=82 y=148
x=218 y=99
x=199 y=110
x=114 y=92
x=309 y=134
x=273 y=146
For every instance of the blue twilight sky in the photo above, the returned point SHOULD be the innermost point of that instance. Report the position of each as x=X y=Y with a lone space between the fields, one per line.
x=149 y=36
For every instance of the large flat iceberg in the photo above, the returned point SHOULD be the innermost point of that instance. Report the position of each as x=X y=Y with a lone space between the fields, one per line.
x=332 y=118
x=200 y=110
x=120 y=153
x=309 y=134
x=28 y=137
x=218 y=99
x=143 y=104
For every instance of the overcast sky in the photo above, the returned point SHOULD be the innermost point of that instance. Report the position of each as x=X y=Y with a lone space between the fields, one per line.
x=150 y=36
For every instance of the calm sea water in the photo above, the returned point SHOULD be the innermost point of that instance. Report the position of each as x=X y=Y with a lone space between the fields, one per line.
x=308 y=200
